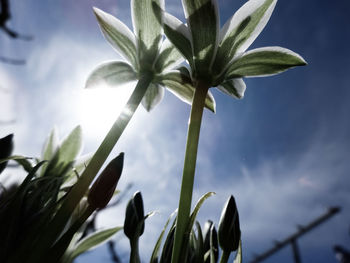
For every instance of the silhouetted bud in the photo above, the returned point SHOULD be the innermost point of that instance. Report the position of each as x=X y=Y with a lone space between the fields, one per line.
x=134 y=224
x=6 y=148
x=103 y=188
x=229 y=232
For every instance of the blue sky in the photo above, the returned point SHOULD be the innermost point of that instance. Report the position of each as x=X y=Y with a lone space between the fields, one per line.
x=283 y=150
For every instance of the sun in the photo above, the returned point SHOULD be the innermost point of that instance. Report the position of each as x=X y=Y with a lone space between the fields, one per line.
x=100 y=107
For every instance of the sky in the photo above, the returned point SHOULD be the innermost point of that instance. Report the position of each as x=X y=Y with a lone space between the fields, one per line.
x=282 y=151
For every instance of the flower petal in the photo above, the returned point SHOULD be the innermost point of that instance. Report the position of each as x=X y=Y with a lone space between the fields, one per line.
x=263 y=62
x=203 y=21
x=118 y=35
x=233 y=87
x=147 y=28
x=169 y=57
x=111 y=74
x=153 y=96
x=177 y=33
x=240 y=31
x=180 y=84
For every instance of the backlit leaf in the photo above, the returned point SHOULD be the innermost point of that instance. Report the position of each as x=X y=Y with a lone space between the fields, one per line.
x=94 y=240
x=71 y=146
x=153 y=96
x=169 y=57
x=118 y=35
x=240 y=31
x=178 y=33
x=233 y=87
x=203 y=21
x=264 y=61
x=147 y=27
x=111 y=74
x=181 y=86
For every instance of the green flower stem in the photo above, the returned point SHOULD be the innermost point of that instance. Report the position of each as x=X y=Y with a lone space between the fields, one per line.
x=225 y=256
x=134 y=253
x=79 y=189
x=189 y=168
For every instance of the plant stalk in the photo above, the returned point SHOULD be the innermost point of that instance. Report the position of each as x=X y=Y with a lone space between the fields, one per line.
x=79 y=189
x=225 y=256
x=134 y=253
x=189 y=168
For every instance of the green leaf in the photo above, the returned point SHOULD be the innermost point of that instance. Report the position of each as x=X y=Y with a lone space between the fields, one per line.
x=111 y=74
x=199 y=247
x=169 y=57
x=15 y=158
x=196 y=210
x=203 y=20
x=147 y=27
x=193 y=218
x=238 y=258
x=94 y=240
x=153 y=96
x=79 y=165
x=233 y=87
x=49 y=149
x=263 y=62
x=240 y=31
x=27 y=165
x=71 y=146
x=177 y=32
x=180 y=84
x=155 y=253
x=118 y=35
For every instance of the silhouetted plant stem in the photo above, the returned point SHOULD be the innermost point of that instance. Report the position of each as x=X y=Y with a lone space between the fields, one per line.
x=189 y=167
x=225 y=256
x=134 y=253
x=79 y=189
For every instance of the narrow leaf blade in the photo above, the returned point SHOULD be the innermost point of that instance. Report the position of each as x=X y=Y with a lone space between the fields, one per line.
x=155 y=253
x=94 y=240
x=238 y=258
x=196 y=210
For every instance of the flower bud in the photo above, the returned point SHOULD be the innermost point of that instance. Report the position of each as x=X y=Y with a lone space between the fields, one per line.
x=229 y=232
x=134 y=217
x=6 y=148
x=103 y=188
